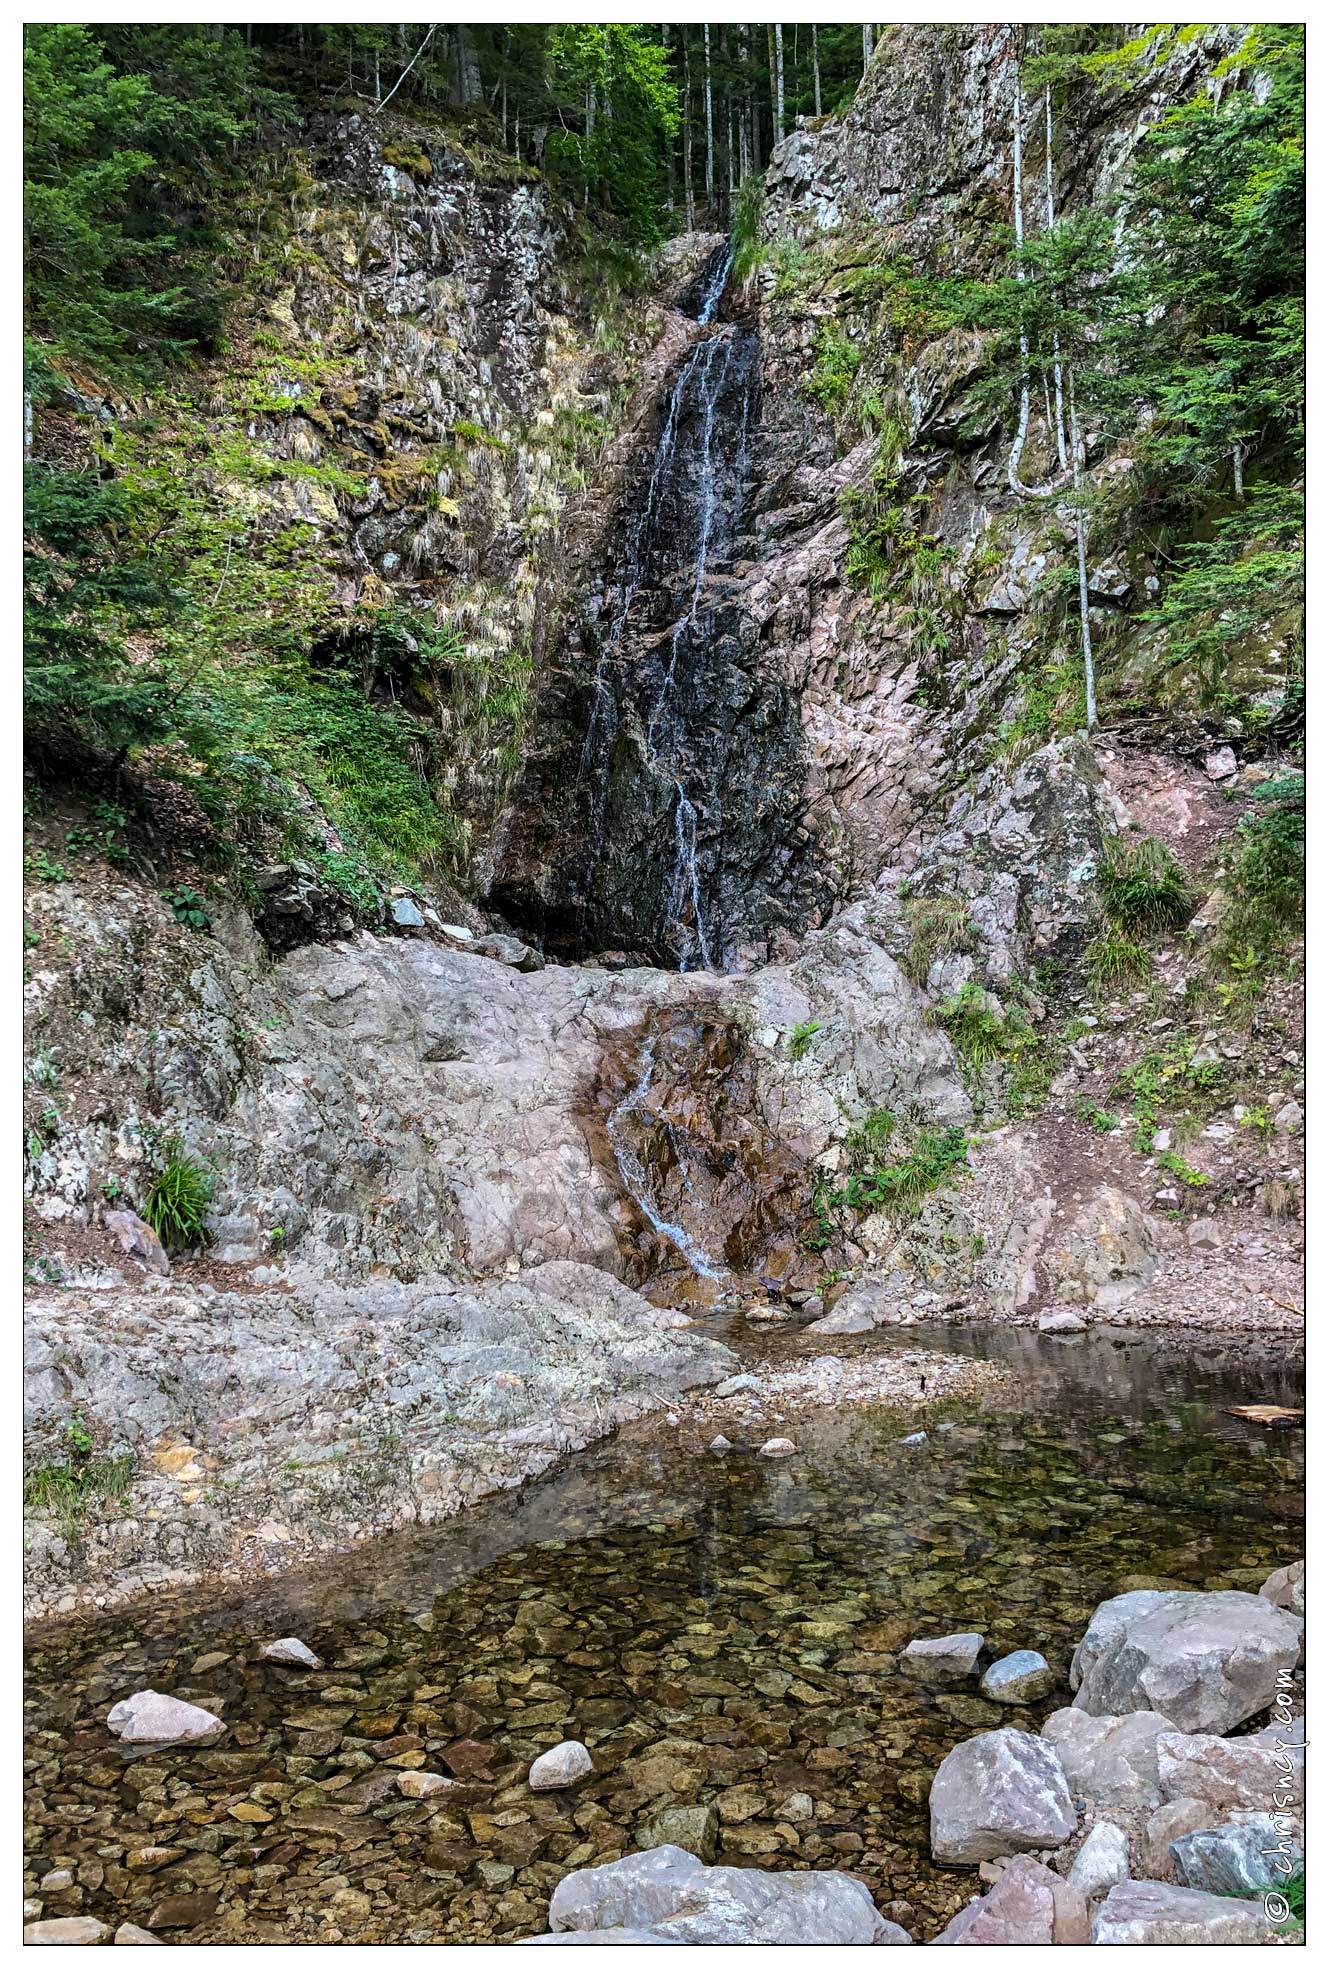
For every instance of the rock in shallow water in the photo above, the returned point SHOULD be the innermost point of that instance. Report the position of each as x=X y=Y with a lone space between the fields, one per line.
x=1151 y=1911
x=292 y=1653
x=671 y=1893
x=1207 y=1661
x=946 y=1658
x=152 y=1718
x=1020 y=1677
x=998 y=1793
x=779 y=1446
x=567 y=1763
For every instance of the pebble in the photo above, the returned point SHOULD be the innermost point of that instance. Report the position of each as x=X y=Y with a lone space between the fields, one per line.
x=567 y=1763
x=721 y=1443
x=779 y=1446
x=425 y=1784
x=292 y=1652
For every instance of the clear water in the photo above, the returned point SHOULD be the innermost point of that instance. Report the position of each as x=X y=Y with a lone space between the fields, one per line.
x=720 y=1630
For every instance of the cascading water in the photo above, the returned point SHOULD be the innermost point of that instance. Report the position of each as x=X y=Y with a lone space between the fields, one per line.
x=660 y=813
x=633 y=1171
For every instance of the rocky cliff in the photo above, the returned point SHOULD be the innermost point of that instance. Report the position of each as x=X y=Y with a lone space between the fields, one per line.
x=755 y=972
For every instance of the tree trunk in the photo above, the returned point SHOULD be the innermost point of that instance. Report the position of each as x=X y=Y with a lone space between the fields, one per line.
x=869 y=34
x=779 y=83
x=770 y=69
x=710 y=122
x=689 y=206
x=1056 y=339
x=669 y=162
x=1017 y=208
x=816 y=77
x=1081 y=532
x=745 y=106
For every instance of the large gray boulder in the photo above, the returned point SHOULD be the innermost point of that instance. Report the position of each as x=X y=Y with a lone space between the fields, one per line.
x=1232 y=1773
x=998 y=1793
x=1108 y=1622
x=1109 y=1760
x=1238 y=1859
x=1029 y=1906
x=152 y=1718
x=673 y=1894
x=1108 y=1253
x=1205 y=1660
x=1102 y=1861
x=611 y=1937
x=1020 y=1677
x=1151 y=1911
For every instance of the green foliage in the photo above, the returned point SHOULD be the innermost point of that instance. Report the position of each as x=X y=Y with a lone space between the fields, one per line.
x=1177 y=1166
x=939 y=926
x=188 y=907
x=177 y=1202
x=1142 y=888
x=1266 y=882
x=1156 y=1082
x=835 y=364
x=1051 y=705
x=746 y=229
x=64 y=1487
x=978 y=1027
x=620 y=160
x=937 y=1157
x=1113 y=960
x=80 y=586
x=801 y=1036
x=1098 y=1118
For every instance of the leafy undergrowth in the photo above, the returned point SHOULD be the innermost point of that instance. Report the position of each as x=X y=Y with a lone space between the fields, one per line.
x=65 y=1487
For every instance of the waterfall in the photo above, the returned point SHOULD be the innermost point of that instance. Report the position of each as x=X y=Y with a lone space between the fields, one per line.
x=688 y=514
x=633 y=1171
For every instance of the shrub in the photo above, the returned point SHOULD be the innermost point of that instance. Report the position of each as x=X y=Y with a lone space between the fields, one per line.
x=188 y=907
x=835 y=364
x=935 y=1158
x=1114 y=959
x=1142 y=887
x=176 y=1205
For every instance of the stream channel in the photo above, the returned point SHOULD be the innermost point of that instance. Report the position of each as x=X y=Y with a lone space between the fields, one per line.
x=719 y=1629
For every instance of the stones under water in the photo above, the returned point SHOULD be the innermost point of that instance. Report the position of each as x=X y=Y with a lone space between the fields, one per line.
x=721 y=1632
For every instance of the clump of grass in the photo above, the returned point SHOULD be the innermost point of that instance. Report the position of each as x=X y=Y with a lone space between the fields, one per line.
x=936 y=1157
x=1113 y=959
x=976 y=1025
x=939 y=926
x=64 y=1487
x=176 y=1205
x=1143 y=888
x=801 y=1036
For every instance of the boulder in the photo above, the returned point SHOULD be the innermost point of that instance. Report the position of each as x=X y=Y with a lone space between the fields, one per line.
x=779 y=1446
x=1020 y=1677
x=1151 y=1911
x=1232 y=1773
x=152 y=1718
x=1029 y=1906
x=1107 y=1623
x=129 y=1931
x=737 y=1384
x=406 y=914
x=511 y=951
x=1169 y=1822
x=844 y=1319
x=1103 y=1860
x=1001 y=1792
x=674 y=1895
x=1205 y=1660
x=949 y=1657
x=137 y=1240
x=693 y=1827
x=567 y=1763
x=613 y=1937
x=1063 y=1322
x=1238 y=1859
x=1109 y=1760
x=292 y=1653
x=1108 y=1253
x=1286 y=1587
x=68 y=1928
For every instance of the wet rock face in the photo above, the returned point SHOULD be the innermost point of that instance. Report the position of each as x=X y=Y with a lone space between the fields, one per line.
x=695 y=1154
x=662 y=816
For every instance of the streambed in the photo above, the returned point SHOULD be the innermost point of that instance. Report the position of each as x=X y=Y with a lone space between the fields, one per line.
x=721 y=1630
